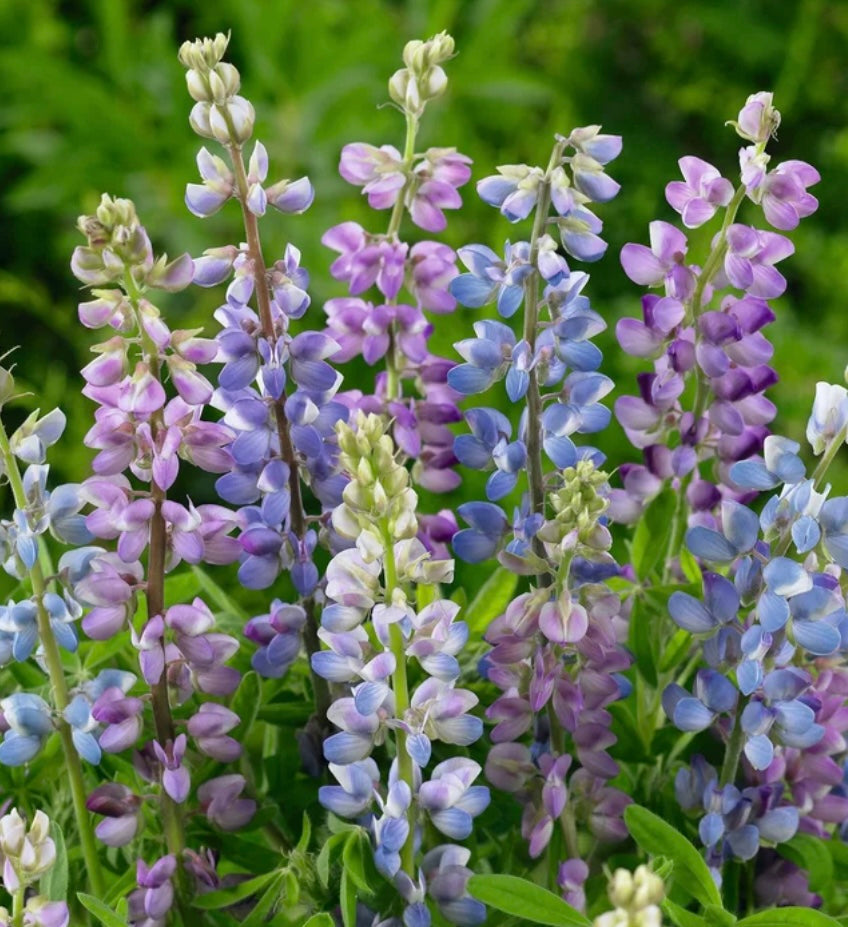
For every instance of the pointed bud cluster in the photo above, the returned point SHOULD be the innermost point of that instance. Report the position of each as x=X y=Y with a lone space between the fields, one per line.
x=219 y=112
x=378 y=493
x=578 y=504
x=637 y=897
x=423 y=79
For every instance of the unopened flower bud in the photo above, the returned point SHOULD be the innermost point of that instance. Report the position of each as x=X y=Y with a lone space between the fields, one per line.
x=198 y=86
x=203 y=54
x=758 y=120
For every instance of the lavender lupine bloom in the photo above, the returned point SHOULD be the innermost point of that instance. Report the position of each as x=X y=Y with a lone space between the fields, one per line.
x=367 y=583
x=706 y=326
x=393 y=328
x=142 y=433
x=557 y=648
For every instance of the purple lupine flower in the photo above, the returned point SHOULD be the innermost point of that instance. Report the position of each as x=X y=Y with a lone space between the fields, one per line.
x=701 y=192
x=209 y=727
x=153 y=898
x=783 y=194
x=279 y=637
x=432 y=268
x=220 y=800
x=662 y=263
x=175 y=777
x=366 y=260
x=121 y=810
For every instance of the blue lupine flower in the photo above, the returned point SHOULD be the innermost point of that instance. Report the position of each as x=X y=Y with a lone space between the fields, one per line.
x=833 y=519
x=740 y=530
x=491 y=354
x=797 y=508
x=782 y=714
x=78 y=716
x=492 y=277
x=780 y=464
x=720 y=606
x=28 y=717
x=489 y=444
x=713 y=695
x=488 y=524
x=514 y=190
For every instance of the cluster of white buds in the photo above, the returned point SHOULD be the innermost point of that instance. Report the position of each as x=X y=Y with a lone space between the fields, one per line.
x=219 y=112
x=637 y=897
x=378 y=494
x=423 y=79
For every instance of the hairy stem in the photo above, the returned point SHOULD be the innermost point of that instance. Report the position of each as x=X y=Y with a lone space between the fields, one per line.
x=394 y=389
x=297 y=513
x=58 y=684
x=733 y=752
x=163 y=720
x=535 y=472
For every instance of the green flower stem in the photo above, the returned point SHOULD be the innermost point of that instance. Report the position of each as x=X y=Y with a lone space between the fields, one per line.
x=163 y=721
x=320 y=687
x=394 y=390
x=733 y=752
x=18 y=907
x=400 y=687
x=535 y=473
x=58 y=684
x=702 y=391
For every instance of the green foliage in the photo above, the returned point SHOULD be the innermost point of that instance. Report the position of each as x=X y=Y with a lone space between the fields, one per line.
x=518 y=897
x=657 y=837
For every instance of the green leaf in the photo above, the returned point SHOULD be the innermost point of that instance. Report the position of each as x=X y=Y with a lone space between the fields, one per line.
x=218 y=597
x=658 y=838
x=353 y=861
x=717 y=917
x=104 y=914
x=305 y=834
x=788 y=917
x=642 y=639
x=491 y=600
x=263 y=907
x=517 y=897
x=812 y=854
x=223 y=898
x=246 y=703
x=331 y=847
x=681 y=917
x=320 y=920
x=347 y=900
x=285 y=714
x=650 y=539
x=675 y=650
x=689 y=565
x=54 y=885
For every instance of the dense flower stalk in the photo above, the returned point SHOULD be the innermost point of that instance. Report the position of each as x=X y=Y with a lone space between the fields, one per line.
x=556 y=652
x=392 y=326
x=705 y=328
x=139 y=428
x=373 y=627
x=773 y=636
x=277 y=391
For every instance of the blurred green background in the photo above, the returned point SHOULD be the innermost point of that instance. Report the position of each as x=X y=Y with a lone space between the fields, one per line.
x=94 y=100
